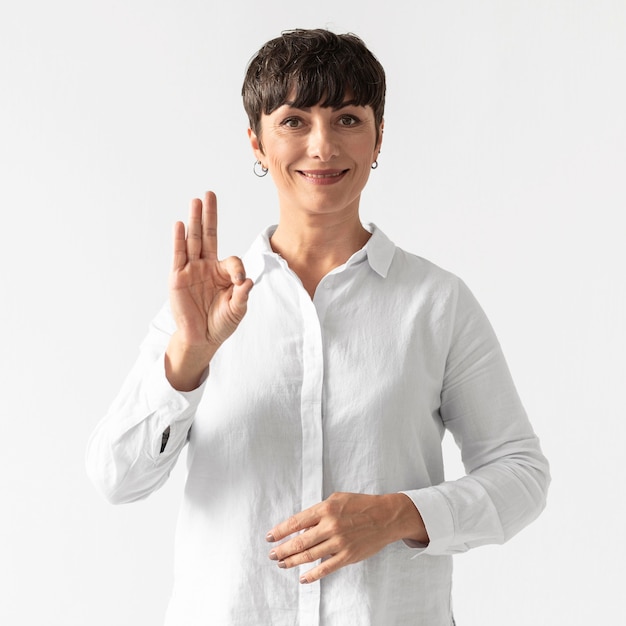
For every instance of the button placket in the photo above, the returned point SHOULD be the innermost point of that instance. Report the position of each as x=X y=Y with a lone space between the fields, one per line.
x=312 y=438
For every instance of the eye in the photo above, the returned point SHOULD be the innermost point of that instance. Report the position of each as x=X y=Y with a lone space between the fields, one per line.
x=292 y=122
x=348 y=120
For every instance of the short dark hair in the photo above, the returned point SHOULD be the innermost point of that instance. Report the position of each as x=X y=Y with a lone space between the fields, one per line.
x=319 y=67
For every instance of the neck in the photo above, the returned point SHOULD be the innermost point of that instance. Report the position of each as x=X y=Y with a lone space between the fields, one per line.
x=318 y=245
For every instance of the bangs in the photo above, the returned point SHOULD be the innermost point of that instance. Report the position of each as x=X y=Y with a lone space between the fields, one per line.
x=327 y=85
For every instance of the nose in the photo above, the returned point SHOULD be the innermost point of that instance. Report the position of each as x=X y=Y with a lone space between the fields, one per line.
x=322 y=144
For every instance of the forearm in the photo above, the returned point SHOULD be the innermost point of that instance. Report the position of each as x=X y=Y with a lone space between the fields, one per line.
x=125 y=455
x=490 y=505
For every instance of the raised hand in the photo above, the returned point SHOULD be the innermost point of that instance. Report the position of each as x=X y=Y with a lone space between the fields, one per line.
x=208 y=297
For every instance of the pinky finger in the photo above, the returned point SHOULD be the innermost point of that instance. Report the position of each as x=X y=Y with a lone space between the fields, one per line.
x=179 y=258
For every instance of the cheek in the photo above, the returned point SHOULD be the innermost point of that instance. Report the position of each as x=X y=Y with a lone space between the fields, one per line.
x=281 y=173
x=281 y=156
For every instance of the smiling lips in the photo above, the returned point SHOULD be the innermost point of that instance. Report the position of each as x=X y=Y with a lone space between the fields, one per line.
x=322 y=177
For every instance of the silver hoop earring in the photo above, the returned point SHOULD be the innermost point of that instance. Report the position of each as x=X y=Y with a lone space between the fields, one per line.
x=374 y=165
x=259 y=171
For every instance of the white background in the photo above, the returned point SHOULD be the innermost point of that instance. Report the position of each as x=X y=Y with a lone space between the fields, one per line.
x=504 y=161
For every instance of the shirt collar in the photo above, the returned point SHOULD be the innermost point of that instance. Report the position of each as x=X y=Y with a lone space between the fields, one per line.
x=379 y=251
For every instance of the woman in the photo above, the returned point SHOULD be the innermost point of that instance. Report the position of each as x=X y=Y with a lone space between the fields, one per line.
x=317 y=400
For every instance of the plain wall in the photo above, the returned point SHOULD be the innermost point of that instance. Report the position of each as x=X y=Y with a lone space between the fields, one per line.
x=504 y=161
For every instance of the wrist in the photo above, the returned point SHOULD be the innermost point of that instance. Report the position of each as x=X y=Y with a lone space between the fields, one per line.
x=185 y=365
x=409 y=524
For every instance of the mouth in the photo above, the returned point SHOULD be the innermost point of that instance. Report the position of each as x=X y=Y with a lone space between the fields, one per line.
x=322 y=177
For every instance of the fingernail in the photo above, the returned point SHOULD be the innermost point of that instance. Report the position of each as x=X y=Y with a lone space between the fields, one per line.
x=273 y=556
x=303 y=580
x=281 y=564
x=240 y=277
x=269 y=537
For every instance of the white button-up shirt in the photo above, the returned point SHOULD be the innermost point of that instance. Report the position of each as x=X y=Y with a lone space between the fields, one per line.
x=349 y=391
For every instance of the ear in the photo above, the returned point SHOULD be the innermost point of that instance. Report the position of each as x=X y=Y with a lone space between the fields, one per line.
x=255 y=142
x=380 y=139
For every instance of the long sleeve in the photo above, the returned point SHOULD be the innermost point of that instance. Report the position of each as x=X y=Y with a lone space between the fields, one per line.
x=124 y=458
x=507 y=474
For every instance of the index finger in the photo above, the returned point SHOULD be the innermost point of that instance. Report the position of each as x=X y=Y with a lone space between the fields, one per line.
x=300 y=521
x=209 y=226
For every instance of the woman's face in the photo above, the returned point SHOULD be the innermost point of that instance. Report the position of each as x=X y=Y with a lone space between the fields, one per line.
x=320 y=158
